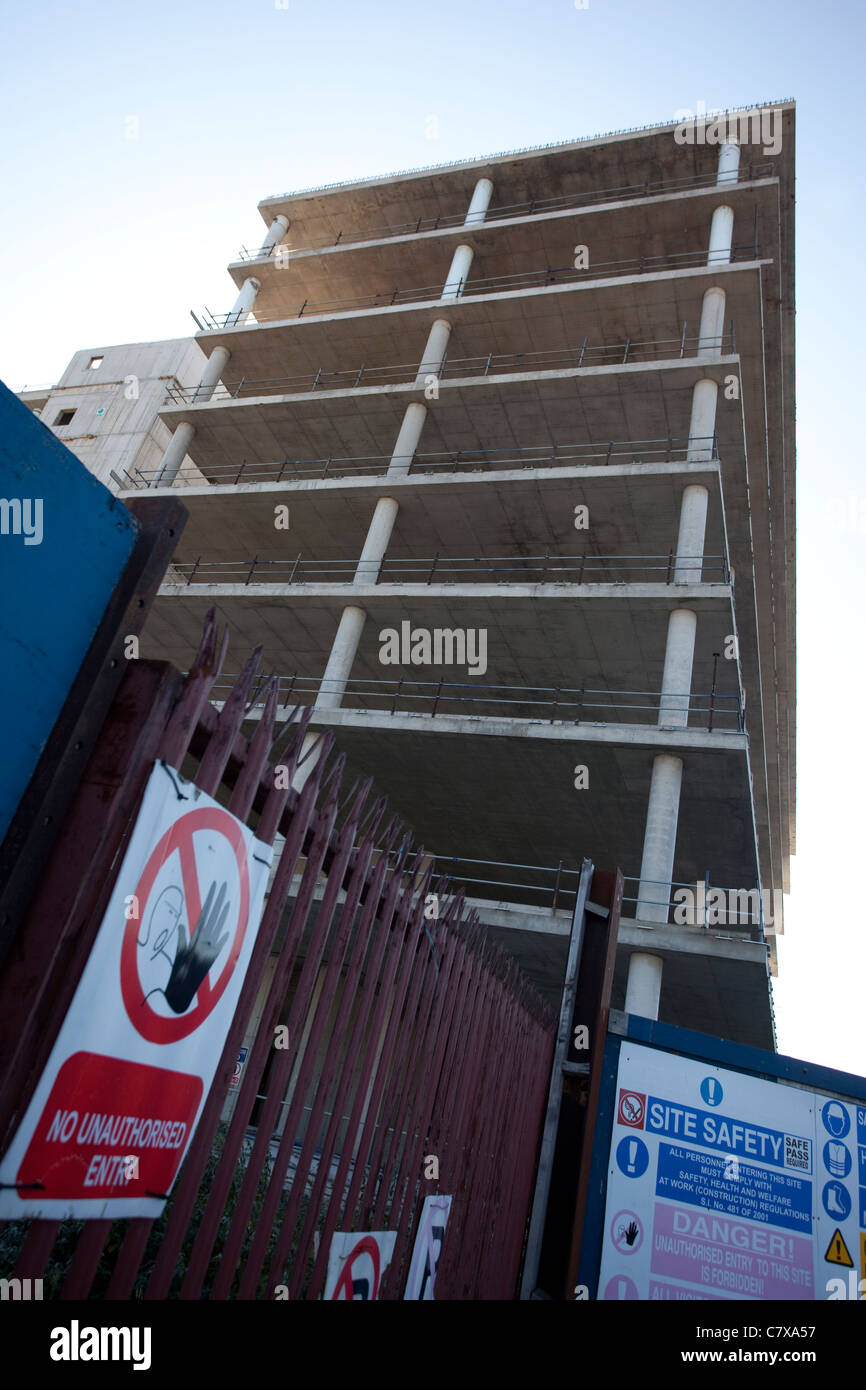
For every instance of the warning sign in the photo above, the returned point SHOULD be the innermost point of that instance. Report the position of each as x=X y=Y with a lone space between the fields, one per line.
x=172 y=940
x=356 y=1264
x=117 y=1104
x=428 y=1245
x=837 y=1251
x=632 y=1105
x=235 y=1078
x=726 y=1185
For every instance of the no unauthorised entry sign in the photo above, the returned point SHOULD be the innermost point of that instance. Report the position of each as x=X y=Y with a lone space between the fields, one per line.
x=117 y=1104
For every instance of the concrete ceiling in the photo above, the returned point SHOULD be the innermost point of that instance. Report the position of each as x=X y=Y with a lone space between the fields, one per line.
x=662 y=226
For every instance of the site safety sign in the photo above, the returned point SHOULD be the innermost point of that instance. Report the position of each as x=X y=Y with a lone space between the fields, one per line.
x=117 y=1104
x=723 y=1185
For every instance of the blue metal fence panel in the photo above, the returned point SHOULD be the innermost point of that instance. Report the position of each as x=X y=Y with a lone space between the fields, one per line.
x=64 y=541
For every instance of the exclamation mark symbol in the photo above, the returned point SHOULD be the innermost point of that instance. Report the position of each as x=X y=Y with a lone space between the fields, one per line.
x=711 y=1087
x=839 y=1248
x=621 y=1288
x=632 y=1154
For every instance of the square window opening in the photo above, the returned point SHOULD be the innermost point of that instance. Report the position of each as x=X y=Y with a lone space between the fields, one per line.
x=95 y=363
x=65 y=417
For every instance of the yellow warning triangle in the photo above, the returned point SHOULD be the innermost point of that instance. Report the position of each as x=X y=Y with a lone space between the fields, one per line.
x=837 y=1251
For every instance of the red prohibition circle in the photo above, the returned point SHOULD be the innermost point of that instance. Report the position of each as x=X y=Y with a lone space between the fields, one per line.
x=152 y=1026
x=366 y=1246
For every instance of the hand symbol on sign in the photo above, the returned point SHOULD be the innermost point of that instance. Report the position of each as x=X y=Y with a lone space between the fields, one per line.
x=194 y=959
x=632 y=1233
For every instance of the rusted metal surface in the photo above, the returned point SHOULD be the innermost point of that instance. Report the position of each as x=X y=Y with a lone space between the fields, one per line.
x=409 y=1040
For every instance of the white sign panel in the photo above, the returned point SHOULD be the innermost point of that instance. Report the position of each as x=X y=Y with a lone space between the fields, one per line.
x=356 y=1262
x=117 y=1104
x=428 y=1247
x=726 y=1186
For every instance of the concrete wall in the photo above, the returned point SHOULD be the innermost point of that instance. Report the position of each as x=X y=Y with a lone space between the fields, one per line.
x=115 y=424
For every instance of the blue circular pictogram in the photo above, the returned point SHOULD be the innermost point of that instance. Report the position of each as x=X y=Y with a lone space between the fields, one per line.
x=632 y=1157
x=711 y=1090
x=837 y=1158
x=836 y=1119
x=837 y=1201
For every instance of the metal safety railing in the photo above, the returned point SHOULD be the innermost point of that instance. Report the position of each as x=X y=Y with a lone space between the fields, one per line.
x=530 y=569
x=480 y=285
x=673 y=449
x=555 y=887
x=630 y=351
x=695 y=904
x=722 y=713
x=527 y=208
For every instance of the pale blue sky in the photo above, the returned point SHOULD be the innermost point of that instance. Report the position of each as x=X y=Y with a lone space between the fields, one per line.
x=108 y=239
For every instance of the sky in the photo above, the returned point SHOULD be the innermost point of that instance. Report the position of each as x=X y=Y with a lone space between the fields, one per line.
x=138 y=140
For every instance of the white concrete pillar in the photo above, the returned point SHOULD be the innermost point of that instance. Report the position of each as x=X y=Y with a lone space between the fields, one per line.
x=644 y=984
x=729 y=163
x=244 y=302
x=677 y=677
x=276 y=231
x=702 y=425
x=721 y=236
x=408 y=438
x=178 y=446
x=341 y=659
x=434 y=352
x=660 y=839
x=461 y=263
x=712 y=327
x=176 y=451
x=213 y=370
x=481 y=196
x=351 y=626
x=376 y=544
x=690 y=540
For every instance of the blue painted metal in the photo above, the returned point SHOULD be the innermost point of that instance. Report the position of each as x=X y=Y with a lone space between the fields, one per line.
x=702 y=1047
x=64 y=541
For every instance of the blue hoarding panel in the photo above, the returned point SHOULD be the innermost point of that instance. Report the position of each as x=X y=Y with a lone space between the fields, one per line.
x=64 y=541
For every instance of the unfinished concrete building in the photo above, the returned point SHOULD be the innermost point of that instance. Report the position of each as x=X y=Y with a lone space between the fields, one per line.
x=498 y=463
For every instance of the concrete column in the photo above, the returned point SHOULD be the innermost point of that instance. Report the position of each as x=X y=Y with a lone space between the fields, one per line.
x=213 y=370
x=461 y=263
x=660 y=838
x=677 y=677
x=408 y=438
x=480 y=202
x=702 y=425
x=342 y=656
x=276 y=231
x=178 y=446
x=244 y=302
x=644 y=984
x=434 y=352
x=376 y=544
x=712 y=323
x=690 y=540
x=729 y=163
x=176 y=451
x=721 y=236
x=352 y=619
